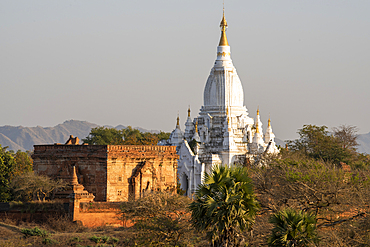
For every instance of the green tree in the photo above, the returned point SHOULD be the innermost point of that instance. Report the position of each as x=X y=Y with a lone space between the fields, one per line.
x=6 y=169
x=134 y=137
x=293 y=228
x=316 y=142
x=127 y=136
x=22 y=163
x=104 y=136
x=225 y=206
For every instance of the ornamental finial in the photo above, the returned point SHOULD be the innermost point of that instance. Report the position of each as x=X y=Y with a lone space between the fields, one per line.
x=178 y=120
x=269 y=123
x=189 y=111
x=257 y=129
x=258 y=111
x=223 y=25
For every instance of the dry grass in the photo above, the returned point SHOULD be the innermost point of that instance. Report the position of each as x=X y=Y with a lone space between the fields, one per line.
x=63 y=232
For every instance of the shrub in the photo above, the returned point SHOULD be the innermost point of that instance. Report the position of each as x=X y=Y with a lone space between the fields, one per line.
x=35 y=232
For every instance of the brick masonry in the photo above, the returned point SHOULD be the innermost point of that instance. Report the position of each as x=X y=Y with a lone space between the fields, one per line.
x=113 y=173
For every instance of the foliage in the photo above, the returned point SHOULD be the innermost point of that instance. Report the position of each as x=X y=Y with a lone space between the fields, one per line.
x=6 y=169
x=104 y=239
x=162 y=217
x=11 y=165
x=50 y=241
x=104 y=136
x=22 y=163
x=225 y=206
x=35 y=232
x=293 y=228
x=128 y=136
x=334 y=195
x=31 y=186
x=317 y=142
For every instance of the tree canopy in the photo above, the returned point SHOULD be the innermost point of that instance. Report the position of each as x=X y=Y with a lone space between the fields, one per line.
x=12 y=165
x=317 y=142
x=128 y=136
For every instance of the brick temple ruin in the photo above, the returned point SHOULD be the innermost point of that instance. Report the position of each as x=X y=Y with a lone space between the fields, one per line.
x=112 y=173
x=103 y=176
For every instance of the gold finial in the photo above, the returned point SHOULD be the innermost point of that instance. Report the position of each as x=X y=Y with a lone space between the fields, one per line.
x=189 y=111
x=257 y=129
x=178 y=120
x=196 y=126
x=223 y=25
x=258 y=111
x=269 y=123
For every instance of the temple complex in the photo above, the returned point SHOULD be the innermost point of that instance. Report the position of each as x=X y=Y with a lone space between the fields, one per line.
x=223 y=133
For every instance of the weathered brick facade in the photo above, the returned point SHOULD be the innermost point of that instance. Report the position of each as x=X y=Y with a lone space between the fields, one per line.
x=112 y=173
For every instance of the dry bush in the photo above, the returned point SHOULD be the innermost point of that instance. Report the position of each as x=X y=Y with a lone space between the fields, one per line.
x=63 y=223
x=161 y=219
x=340 y=200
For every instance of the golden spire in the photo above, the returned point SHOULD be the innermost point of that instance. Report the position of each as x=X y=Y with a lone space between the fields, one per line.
x=223 y=25
x=189 y=111
x=196 y=126
x=258 y=111
x=269 y=124
x=178 y=120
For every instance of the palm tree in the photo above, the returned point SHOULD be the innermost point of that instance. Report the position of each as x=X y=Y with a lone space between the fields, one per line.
x=293 y=228
x=224 y=206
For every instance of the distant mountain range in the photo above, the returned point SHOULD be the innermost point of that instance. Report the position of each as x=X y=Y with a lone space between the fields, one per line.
x=364 y=143
x=23 y=138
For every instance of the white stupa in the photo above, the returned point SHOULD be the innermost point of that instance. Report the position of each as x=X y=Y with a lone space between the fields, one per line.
x=223 y=133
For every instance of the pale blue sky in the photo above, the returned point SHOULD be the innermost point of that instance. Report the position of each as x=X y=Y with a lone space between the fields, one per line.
x=140 y=62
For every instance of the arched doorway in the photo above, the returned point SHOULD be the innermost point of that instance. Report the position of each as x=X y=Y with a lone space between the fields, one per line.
x=184 y=184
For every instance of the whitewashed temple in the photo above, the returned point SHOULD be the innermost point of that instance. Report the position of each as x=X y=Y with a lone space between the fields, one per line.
x=223 y=133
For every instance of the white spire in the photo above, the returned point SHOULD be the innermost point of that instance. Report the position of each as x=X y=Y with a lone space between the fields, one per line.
x=269 y=134
x=189 y=127
x=176 y=136
x=196 y=135
x=223 y=87
x=270 y=140
x=258 y=121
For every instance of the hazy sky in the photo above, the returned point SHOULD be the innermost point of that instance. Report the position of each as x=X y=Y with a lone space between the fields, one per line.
x=141 y=62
